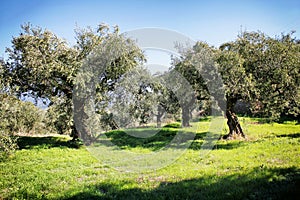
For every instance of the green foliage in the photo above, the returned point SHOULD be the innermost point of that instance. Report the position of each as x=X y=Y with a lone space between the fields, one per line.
x=20 y=117
x=8 y=145
x=108 y=122
x=59 y=118
x=264 y=71
x=134 y=99
x=197 y=65
x=254 y=68
x=97 y=79
x=41 y=65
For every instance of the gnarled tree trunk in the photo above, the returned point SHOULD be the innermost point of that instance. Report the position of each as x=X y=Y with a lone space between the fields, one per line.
x=234 y=125
x=235 y=128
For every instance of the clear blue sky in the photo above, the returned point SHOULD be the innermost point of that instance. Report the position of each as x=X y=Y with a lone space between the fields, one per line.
x=212 y=21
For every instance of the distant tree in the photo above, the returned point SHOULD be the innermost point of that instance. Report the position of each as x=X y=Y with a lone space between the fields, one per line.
x=167 y=102
x=139 y=97
x=133 y=100
x=20 y=117
x=191 y=67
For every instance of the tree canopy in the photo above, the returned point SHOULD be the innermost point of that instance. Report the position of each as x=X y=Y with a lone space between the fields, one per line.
x=42 y=65
x=255 y=68
x=260 y=70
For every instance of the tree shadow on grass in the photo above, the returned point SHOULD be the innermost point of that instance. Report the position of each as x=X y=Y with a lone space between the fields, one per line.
x=290 y=135
x=197 y=144
x=157 y=140
x=47 y=142
x=162 y=138
x=260 y=183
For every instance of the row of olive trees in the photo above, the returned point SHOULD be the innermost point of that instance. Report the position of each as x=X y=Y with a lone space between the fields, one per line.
x=255 y=68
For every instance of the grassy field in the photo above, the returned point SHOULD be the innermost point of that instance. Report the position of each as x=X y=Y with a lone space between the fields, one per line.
x=264 y=166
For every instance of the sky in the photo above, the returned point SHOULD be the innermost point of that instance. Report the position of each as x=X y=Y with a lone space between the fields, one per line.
x=214 y=22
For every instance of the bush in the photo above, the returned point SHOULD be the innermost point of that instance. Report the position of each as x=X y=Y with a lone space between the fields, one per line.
x=58 y=118
x=17 y=116
x=8 y=144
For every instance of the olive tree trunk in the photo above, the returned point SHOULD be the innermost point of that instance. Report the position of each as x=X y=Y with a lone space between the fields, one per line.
x=234 y=125
x=235 y=128
x=185 y=116
x=80 y=119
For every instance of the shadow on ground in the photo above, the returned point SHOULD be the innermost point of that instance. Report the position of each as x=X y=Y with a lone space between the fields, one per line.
x=258 y=184
x=123 y=140
x=160 y=139
x=47 y=142
x=290 y=135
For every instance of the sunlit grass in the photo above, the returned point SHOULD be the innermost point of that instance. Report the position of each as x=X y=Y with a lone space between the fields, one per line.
x=265 y=165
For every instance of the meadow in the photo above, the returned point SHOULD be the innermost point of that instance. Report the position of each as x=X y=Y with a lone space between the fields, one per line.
x=265 y=165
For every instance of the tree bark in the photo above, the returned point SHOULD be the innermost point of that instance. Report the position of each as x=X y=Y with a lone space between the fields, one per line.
x=185 y=116
x=80 y=118
x=235 y=128
x=234 y=125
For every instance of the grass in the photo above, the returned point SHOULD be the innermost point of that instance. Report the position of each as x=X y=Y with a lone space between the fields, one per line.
x=264 y=166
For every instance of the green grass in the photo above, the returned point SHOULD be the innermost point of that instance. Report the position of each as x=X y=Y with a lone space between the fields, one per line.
x=264 y=166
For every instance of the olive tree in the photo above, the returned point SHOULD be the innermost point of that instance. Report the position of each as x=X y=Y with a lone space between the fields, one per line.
x=42 y=65
x=255 y=68
x=263 y=71
x=196 y=65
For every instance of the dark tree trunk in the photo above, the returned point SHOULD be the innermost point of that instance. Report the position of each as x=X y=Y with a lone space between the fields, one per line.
x=233 y=123
x=185 y=116
x=74 y=134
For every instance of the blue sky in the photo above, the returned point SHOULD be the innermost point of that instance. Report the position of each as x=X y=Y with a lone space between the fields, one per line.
x=212 y=21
